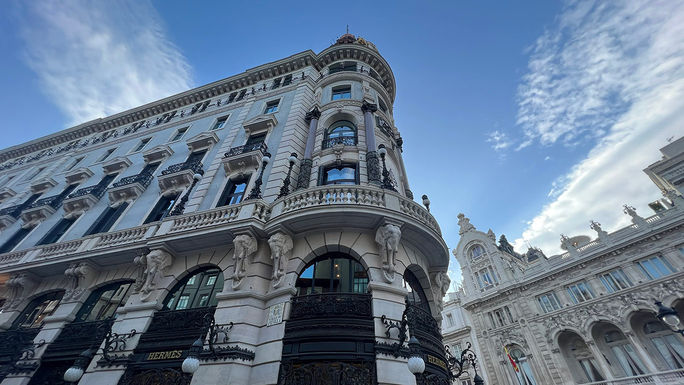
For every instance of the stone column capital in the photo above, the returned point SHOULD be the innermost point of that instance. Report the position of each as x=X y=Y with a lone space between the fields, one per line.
x=368 y=107
x=315 y=113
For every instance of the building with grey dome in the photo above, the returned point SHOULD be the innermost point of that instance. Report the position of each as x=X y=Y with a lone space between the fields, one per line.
x=255 y=230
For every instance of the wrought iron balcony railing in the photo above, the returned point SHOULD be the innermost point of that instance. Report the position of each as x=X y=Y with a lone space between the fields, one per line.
x=330 y=305
x=343 y=140
x=54 y=201
x=144 y=179
x=97 y=191
x=195 y=166
x=246 y=148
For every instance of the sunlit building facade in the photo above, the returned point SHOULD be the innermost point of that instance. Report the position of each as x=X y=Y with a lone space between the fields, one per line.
x=256 y=230
x=587 y=315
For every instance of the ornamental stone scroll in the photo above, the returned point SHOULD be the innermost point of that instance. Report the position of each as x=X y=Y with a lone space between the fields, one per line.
x=280 y=244
x=245 y=246
x=155 y=263
x=387 y=237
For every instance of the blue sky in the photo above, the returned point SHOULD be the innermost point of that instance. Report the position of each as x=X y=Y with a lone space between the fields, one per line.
x=530 y=117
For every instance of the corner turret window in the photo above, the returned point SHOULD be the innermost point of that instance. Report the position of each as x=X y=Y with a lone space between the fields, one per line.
x=343 y=66
x=476 y=251
x=196 y=290
x=333 y=273
x=341 y=132
x=341 y=92
x=340 y=174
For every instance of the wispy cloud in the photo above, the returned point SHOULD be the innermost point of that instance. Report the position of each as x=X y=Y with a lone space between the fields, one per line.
x=98 y=58
x=613 y=73
x=499 y=140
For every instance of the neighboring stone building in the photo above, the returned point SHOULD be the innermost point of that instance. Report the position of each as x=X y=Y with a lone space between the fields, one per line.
x=587 y=315
x=458 y=333
x=253 y=214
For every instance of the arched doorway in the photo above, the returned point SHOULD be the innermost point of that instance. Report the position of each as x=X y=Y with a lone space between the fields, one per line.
x=185 y=316
x=578 y=357
x=621 y=355
x=329 y=336
x=524 y=368
x=658 y=338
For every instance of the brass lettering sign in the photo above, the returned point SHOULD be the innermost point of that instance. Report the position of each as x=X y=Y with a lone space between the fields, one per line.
x=436 y=361
x=170 y=355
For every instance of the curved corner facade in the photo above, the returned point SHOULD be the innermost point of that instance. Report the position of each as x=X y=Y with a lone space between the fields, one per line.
x=267 y=216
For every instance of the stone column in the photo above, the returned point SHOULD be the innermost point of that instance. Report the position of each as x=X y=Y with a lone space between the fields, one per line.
x=305 y=166
x=645 y=356
x=372 y=162
x=600 y=360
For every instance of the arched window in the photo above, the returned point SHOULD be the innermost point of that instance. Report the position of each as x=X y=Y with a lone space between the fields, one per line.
x=333 y=273
x=476 y=251
x=624 y=352
x=341 y=132
x=524 y=372
x=668 y=344
x=579 y=358
x=103 y=302
x=196 y=290
x=37 y=310
x=416 y=295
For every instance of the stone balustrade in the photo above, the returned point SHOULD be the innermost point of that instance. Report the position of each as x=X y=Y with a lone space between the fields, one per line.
x=123 y=236
x=219 y=216
x=332 y=195
x=667 y=377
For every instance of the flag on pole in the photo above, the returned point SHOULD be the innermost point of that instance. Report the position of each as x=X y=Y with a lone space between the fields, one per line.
x=515 y=366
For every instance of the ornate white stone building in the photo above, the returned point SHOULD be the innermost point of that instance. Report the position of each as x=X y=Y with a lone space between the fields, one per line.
x=256 y=230
x=587 y=315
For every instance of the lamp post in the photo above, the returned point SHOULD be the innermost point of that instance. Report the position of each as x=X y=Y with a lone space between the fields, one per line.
x=191 y=363
x=255 y=193
x=286 y=184
x=75 y=372
x=386 y=182
x=180 y=207
x=416 y=364
x=670 y=317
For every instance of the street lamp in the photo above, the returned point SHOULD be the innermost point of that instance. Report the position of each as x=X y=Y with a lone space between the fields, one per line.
x=416 y=364
x=256 y=190
x=286 y=184
x=386 y=182
x=191 y=363
x=670 y=317
x=180 y=207
x=75 y=372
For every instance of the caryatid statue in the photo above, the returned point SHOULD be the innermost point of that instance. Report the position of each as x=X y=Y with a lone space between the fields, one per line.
x=280 y=245
x=440 y=286
x=245 y=246
x=156 y=261
x=387 y=237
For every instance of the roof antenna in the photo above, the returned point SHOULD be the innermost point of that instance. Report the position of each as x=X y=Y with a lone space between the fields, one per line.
x=347 y=28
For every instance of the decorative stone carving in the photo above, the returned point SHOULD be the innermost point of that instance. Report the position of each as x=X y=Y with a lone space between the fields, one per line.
x=505 y=246
x=304 y=176
x=139 y=262
x=674 y=197
x=567 y=244
x=19 y=284
x=280 y=245
x=491 y=235
x=636 y=219
x=464 y=224
x=387 y=237
x=245 y=246
x=76 y=273
x=156 y=262
x=373 y=166
x=440 y=286
x=602 y=234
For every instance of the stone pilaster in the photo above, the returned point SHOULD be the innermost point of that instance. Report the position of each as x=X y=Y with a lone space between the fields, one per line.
x=304 y=175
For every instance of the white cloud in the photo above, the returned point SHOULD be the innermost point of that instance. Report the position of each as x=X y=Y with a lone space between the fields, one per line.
x=612 y=72
x=98 y=58
x=499 y=140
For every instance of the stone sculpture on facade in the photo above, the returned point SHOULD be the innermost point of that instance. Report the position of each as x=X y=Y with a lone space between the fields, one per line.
x=387 y=237
x=75 y=275
x=567 y=244
x=156 y=261
x=505 y=246
x=280 y=245
x=245 y=246
x=464 y=224
x=491 y=235
x=18 y=284
x=674 y=197
x=602 y=234
x=636 y=219
x=440 y=285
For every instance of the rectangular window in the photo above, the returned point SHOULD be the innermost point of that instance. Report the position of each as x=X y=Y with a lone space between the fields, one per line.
x=74 y=163
x=57 y=231
x=450 y=320
x=382 y=105
x=33 y=173
x=234 y=192
x=162 y=208
x=615 y=280
x=276 y=83
x=342 y=174
x=655 y=267
x=499 y=318
x=508 y=314
x=548 y=302
x=203 y=300
x=220 y=123
x=256 y=139
x=271 y=107
x=341 y=92
x=492 y=324
x=580 y=292
x=183 y=302
x=287 y=80
x=106 y=220
x=241 y=95
x=210 y=280
x=179 y=134
x=106 y=155
x=14 y=240
x=141 y=145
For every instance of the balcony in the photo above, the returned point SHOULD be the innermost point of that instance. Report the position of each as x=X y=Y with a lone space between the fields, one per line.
x=179 y=176
x=79 y=175
x=243 y=160
x=39 y=210
x=82 y=200
x=42 y=185
x=129 y=188
x=339 y=141
x=116 y=165
x=6 y=193
x=9 y=215
x=330 y=305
